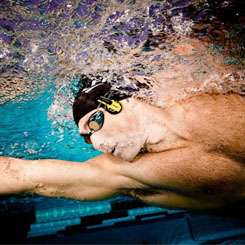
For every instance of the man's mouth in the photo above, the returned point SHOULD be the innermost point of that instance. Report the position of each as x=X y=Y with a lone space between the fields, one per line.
x=113 y=150
x=108 y=150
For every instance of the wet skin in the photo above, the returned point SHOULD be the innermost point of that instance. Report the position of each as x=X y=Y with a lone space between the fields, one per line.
x=191 y=162
x=194 y=159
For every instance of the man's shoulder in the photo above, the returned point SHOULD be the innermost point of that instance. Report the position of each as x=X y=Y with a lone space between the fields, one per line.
x=217 y=121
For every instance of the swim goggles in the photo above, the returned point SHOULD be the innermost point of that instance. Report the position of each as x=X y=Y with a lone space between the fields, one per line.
x=96 y=120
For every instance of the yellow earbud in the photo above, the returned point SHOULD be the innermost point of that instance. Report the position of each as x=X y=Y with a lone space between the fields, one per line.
x=112 y=106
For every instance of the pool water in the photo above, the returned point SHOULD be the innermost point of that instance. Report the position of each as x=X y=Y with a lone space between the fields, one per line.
x=26 y=132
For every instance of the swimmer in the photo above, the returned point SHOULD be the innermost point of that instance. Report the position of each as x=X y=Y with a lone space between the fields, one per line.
x=189 y=155
x=185 y=154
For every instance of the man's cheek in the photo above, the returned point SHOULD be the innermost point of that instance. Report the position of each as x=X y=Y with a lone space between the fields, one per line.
x=95 y=141
x=108 y=136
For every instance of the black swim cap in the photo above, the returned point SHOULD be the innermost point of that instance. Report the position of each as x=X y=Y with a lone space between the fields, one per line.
x=88 y=94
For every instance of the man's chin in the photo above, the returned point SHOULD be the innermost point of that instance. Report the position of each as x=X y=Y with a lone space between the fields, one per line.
x=126 y=155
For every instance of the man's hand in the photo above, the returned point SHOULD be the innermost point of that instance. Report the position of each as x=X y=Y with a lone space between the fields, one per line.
x=12 y=178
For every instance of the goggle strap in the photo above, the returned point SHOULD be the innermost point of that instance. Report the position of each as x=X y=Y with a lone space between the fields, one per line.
x=106 y=98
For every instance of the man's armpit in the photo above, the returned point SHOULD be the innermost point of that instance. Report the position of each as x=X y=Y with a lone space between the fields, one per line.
x=168 y=199
x=140 y=192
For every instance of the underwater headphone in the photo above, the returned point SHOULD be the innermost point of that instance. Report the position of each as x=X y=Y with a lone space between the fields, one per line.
x=112 y=106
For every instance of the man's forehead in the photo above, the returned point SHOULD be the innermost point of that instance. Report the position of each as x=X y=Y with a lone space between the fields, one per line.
x=87 y=96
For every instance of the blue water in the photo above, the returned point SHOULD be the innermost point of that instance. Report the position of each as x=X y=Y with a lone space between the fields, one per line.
x=26 y=132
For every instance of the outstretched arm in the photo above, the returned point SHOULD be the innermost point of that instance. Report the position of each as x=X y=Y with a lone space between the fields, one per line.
x=187 y=178
x=95 y=179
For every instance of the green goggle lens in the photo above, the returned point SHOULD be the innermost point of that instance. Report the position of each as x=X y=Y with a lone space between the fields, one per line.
x=96 y=121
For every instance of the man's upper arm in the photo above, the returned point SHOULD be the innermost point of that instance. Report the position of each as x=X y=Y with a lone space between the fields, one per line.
x=184 y=178
x=190 y=172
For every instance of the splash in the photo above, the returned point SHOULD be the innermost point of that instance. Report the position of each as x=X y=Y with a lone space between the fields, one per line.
x=157 y=50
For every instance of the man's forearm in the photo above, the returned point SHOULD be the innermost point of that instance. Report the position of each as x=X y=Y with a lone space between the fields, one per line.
x=56 y=178
x=47 y=177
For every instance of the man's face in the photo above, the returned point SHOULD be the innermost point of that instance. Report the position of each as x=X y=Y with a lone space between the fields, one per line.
x=120 y=134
